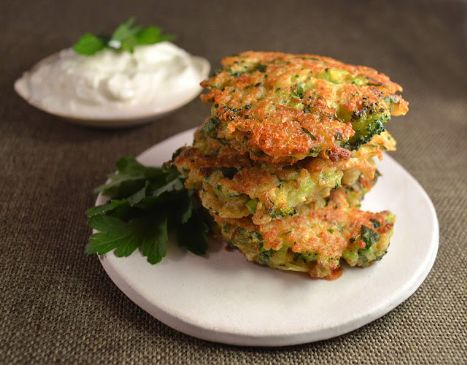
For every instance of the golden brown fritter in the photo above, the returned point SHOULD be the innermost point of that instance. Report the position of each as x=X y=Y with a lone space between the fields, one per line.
x=316 y=241
x=272 y=191
x=281 y=108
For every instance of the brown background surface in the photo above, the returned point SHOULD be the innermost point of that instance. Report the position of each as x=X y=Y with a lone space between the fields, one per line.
x=58 y=306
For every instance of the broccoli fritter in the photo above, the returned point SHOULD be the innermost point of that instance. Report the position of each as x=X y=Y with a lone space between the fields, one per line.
x=282 y=108
x=316 y=241
x=286 y=156
x=272 y=192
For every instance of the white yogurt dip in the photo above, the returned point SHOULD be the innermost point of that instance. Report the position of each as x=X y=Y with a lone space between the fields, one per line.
x=114 y=85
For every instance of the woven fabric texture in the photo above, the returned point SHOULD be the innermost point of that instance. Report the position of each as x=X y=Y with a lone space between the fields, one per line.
x=58 y=306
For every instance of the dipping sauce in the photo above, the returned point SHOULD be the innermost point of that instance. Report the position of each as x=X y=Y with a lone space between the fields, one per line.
x=109 y=84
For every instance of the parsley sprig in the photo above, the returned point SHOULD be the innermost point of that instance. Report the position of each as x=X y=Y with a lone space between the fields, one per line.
x=146 y=203
x=125 y=38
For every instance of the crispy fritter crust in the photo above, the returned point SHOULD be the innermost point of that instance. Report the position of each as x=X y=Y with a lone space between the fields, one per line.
x=281 y=108
x=316 y=241
x=234 y=187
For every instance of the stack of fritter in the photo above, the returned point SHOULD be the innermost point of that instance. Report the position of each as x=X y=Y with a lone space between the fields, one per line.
x=287 y=156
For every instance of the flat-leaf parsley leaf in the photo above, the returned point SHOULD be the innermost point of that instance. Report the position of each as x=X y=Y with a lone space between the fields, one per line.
x=89 y=44
x=144 y=204
x=124 y=38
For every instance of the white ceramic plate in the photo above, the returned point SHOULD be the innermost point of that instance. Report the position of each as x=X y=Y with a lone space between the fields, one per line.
x=117 y=117
x=224 y=298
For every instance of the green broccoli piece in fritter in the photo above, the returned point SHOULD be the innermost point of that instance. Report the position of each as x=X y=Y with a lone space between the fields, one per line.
x=367 y=122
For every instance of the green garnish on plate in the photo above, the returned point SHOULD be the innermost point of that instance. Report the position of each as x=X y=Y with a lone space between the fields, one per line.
x=145 y=204
x=125 y=38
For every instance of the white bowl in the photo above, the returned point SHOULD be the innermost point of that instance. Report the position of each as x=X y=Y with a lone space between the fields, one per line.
x=120 y=117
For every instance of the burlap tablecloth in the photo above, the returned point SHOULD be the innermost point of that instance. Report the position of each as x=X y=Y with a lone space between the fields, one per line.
x=58 y=306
